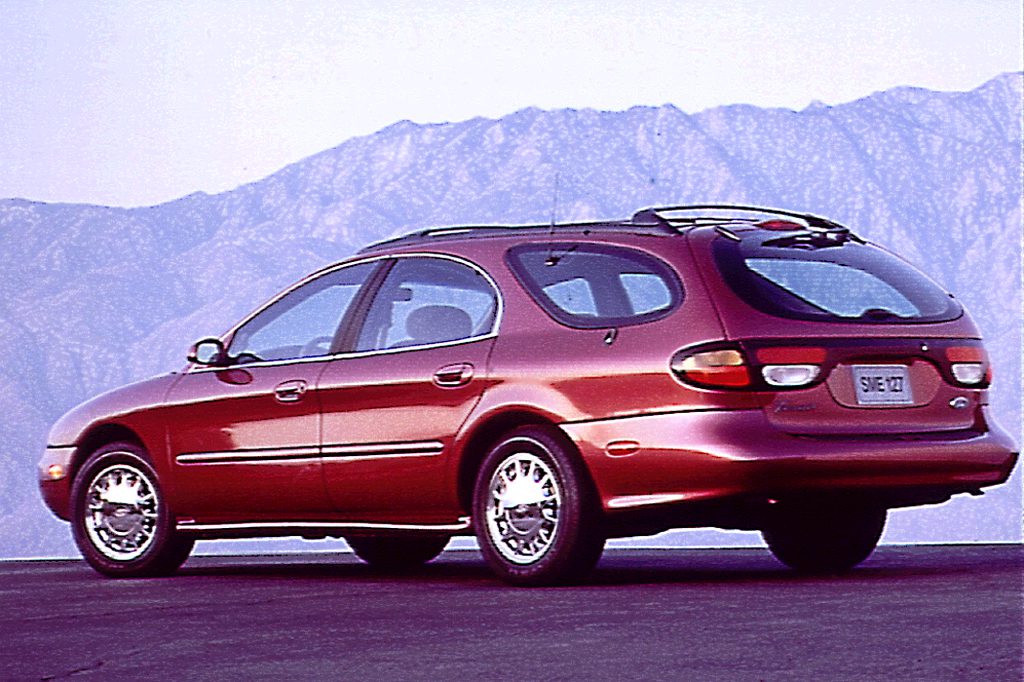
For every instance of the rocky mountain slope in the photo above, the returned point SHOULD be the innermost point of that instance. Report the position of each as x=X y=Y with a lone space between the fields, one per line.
x=93 y=297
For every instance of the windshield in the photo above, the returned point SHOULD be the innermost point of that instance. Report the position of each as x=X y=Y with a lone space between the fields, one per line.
x=845 y=281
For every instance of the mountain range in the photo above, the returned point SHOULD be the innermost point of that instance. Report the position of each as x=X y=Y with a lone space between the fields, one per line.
x=92 y=297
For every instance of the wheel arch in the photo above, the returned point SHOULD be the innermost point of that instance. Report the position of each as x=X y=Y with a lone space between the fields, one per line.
x=103 y=434
x=479 y=440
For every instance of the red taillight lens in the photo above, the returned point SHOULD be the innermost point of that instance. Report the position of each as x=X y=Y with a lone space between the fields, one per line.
x=724 y=368
x=965 y=354
x=791 y=355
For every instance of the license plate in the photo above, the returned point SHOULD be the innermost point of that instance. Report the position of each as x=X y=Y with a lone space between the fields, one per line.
x=882 y=385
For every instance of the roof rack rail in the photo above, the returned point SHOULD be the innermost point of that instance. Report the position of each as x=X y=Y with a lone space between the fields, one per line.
x=434 y=233
x=650 y=216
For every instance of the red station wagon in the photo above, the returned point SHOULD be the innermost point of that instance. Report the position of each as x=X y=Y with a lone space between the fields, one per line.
x=546 y=388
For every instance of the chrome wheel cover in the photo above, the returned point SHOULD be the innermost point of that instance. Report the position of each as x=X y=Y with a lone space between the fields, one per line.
x=121 y=509
x=523 y=502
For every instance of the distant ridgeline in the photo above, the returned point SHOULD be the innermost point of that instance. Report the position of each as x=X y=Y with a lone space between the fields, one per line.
x=94 y=297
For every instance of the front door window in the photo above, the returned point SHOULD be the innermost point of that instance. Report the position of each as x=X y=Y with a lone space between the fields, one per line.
x=303 y=323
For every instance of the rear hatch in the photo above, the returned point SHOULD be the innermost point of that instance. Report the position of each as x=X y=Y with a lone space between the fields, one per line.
x=842 y=336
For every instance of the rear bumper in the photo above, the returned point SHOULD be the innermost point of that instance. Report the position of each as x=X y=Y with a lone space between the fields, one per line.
x=719 y=455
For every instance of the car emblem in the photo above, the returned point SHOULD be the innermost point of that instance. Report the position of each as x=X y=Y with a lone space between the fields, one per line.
x=785 y=406
x=959 y=402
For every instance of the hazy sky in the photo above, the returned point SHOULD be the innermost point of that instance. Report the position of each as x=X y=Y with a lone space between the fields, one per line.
x=131 y=103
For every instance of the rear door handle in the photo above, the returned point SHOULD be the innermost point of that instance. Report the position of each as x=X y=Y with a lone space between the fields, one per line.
x=290 y=391
x=452 y=376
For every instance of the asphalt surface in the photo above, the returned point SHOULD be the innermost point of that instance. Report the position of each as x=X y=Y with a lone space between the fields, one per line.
x=920 y=613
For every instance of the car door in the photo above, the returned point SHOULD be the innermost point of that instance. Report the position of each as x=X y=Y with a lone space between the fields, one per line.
x=245 y=437
x=392 y=406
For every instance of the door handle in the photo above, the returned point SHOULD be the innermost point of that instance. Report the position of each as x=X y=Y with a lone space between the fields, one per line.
x=290 y=391
x=452 y=376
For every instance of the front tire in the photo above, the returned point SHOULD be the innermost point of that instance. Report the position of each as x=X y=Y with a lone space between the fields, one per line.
x=824 y=538
x=397 y=553
x=120 y=519
x=535 y=511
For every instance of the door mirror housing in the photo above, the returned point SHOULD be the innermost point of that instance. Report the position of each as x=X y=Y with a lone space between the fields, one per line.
x=208 y=351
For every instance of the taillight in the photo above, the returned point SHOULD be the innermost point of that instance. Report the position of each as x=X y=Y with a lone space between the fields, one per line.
x=721 y=368
x=788 y=367
x=789 y=375
x=968 y=372
x=969 y=365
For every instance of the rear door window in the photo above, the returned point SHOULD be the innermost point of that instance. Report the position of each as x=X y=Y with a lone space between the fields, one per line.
x=838 y=282
x=426 y=301
x=596 y=285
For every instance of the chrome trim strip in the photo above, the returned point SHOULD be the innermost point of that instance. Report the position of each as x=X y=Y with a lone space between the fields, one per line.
x=626 y=501
x=430 y=448
x=422 y=448
x=499 y=314
x=344 y=356
x=463 y=524
x=255 y=455
x=251 y=460
x=359 y=458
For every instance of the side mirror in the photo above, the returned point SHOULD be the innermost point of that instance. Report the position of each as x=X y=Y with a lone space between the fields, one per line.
x=209 y=351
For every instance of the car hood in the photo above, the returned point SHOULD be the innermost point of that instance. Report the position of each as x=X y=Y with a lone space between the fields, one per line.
x=109 y=407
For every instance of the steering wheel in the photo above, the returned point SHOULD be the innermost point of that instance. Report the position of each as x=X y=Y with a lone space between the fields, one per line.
x=320 y=345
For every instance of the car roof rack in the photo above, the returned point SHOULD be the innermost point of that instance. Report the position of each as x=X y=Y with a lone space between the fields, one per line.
x=457 y=231
x=653 y=215
x=815 y=229
x=648 y=220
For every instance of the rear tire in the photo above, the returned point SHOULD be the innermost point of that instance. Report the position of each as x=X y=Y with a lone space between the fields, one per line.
x=397 y=553
x=824 y=538
x=535 y=512
x=119 y=517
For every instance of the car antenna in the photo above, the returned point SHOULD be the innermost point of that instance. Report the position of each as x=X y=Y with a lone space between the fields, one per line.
x=552 y=259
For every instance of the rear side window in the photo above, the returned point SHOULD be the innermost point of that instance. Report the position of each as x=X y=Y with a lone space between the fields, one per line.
x=425 y=301
x=596 y=285
x=838 y=282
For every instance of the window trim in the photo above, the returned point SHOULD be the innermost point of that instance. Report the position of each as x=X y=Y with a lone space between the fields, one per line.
x=363 y=300
x=564 y=318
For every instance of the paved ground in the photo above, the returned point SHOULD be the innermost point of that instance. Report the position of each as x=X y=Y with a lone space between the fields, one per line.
x=927 y=613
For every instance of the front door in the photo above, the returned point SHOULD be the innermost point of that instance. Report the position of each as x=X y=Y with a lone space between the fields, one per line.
x=245 y=437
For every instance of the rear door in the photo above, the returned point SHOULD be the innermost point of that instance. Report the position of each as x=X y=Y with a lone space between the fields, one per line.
x=392 y=406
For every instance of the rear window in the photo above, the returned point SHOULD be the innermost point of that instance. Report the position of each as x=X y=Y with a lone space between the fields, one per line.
x=841 y=282
x=595 y=285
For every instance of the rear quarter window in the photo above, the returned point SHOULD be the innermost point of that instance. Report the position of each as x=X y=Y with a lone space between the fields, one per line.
x=842 y=282
x=596 y=285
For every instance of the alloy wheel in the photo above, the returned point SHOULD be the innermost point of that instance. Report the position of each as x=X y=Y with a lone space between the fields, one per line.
x=122 y=509
x=523 y=503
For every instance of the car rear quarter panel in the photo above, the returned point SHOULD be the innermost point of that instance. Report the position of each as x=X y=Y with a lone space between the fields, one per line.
x=580 y=374
x=555 y=373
